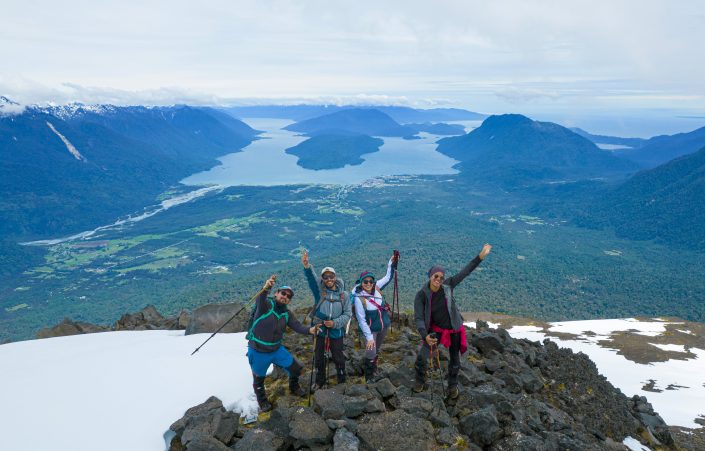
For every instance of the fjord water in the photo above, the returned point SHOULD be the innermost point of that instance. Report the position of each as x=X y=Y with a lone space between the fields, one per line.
x=264 y=162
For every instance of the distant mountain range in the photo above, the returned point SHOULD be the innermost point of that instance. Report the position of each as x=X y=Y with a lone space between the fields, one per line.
x=352 y=121
x=398 y=113
x=660 y=149
x=663 y=203
x=614 y=140
x=514 y=150
x=69 y=168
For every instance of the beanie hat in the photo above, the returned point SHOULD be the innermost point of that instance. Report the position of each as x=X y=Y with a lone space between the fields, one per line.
x=365 y=274
x=435 y=269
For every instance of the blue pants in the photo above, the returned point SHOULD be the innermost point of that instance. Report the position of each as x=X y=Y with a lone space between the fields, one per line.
x=260 y=361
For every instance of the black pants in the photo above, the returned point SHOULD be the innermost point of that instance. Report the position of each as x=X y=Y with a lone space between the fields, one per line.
x=453 y=366
x=336 y=348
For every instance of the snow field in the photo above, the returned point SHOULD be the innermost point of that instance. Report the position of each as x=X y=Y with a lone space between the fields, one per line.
x=115 y=390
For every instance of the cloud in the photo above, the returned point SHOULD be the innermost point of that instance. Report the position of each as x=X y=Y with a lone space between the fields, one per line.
x=517 y=96
x=410 y=51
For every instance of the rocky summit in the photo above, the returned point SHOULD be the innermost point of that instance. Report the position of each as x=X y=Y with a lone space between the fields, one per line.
x=514 y=395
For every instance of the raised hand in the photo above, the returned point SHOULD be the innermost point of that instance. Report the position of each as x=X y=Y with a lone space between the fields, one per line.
x=304 y=259
x=486 y=249
x=270 y=282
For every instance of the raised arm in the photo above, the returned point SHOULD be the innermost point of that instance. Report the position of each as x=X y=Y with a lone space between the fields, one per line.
x=470 y=267
x=313 y=281
x=262 y=302
x=384 y=281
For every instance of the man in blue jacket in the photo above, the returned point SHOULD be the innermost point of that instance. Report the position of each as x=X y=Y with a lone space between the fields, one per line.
x=332 y=310
x=270 y=319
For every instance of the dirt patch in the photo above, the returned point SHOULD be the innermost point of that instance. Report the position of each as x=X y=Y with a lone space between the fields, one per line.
x=688 y=439
x=504 y=321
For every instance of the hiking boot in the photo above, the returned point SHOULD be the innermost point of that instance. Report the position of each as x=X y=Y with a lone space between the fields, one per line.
x=369 y=370
x=316 y=386
x=294 y=372
x=258 y=385
x=420 y=386
x=453 y=392
x=296 y=390
x=340 y=375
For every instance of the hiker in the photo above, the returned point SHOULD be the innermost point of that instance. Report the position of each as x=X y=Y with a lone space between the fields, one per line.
x=265 y=335
x=438 y=320
x=372 y=314
x=333 y=312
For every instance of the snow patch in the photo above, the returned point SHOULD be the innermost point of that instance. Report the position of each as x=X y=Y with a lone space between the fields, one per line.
x=67 y=143
x=678 y=407
x=77 y=390
x=676 y=348
x=473 y=324
x=634 y=445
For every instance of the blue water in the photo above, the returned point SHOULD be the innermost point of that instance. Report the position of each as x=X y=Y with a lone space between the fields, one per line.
x=264 y=163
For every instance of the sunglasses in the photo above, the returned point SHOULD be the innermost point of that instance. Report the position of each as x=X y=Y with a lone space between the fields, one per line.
x=286 y=294
x=437 y=277
x=330 y=277
x=366 y=281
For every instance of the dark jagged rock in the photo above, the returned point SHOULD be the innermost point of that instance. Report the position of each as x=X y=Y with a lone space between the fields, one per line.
x=397 y=430
x=146 y=319
x=258 y=440
x=514 y=395
x=209 y=318
x=345 y=440
x=308 y=428
x=482 y=426
x=69 y=327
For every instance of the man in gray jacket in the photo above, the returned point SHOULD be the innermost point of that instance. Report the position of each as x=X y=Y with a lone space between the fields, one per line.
x=439 y=321
x=332 y=310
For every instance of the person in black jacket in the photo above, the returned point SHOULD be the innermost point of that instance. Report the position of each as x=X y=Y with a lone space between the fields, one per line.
x=438 y=320
x=265 y=335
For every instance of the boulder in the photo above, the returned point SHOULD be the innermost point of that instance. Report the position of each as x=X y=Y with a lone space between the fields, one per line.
x=209 y=318
x=482 y=427
x=344 y=440
x=206 y=443
x=258 y=440
x=68 y=327
x=146 y=319
x=397 y=430
x=329 y=403
x=487 y=342
x=385 y=388
x=308 y=429
x=354 y=406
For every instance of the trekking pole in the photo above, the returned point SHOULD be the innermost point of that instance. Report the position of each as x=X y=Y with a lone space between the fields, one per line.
x=326 y=357
x=313 y=364
x=440 y=370
x=231 y=318
x=395 y=294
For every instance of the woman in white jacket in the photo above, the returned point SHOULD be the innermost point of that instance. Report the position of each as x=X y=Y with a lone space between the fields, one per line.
x=372 y=314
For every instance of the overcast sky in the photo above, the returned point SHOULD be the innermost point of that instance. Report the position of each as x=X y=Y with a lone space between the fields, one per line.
x=490 y=56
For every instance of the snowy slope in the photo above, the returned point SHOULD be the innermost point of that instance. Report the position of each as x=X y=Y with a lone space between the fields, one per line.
x=114 y=390
x=678 y=391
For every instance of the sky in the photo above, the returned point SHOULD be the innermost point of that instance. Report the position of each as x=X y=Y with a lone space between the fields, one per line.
x=627 y=58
